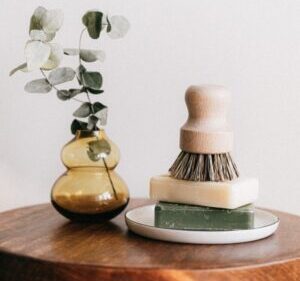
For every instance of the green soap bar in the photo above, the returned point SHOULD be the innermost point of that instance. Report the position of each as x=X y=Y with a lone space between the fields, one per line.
x=188 y=217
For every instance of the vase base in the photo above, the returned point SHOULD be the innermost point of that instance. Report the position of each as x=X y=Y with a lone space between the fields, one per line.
x=91 y=218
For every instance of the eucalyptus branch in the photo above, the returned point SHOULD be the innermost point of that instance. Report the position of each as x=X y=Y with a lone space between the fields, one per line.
x=42 y=53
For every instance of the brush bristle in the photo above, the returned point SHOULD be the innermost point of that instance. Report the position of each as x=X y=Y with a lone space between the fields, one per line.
x=204 y=167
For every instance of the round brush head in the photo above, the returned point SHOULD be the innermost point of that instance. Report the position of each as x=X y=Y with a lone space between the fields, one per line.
x=206 y=139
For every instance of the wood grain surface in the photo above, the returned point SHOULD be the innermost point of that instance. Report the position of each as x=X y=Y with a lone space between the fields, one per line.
x=37 y=244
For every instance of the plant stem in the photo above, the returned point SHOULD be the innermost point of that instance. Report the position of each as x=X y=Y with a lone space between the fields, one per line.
x=110 y=180
x=79 y=49
x=78 y=100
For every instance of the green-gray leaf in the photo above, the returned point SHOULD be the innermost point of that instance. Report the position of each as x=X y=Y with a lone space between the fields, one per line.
x=37 y=53
x=100 y=111
x=102 y=116
x=93 y=22
x=76 y=91
x=92 y=55
x=119 y=27
x=63 y=94
x=79 y=72
x=83 y=111
x=52 y=20
x=92 y=80
x=22 y=67
x=38 y=86
x=95 y=92
x=98 y=106
x=36 y=19
x=86 y=54
x=68 y=94
x=35 y=23
x=55 y=58
x=93 y=156
x=61 y=75
x=38 y=35
x=41 y=35
x=98 y=149
x=78 y=125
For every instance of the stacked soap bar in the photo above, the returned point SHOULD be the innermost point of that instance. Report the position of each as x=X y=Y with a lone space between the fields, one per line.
x=204 y=205
x=188 y=217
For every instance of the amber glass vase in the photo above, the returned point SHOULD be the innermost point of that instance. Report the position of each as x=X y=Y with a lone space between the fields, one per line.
x=90 y=190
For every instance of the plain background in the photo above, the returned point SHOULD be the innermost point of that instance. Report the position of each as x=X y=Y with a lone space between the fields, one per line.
x=251 y=46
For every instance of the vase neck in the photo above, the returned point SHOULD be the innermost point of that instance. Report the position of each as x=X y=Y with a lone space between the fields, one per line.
x=88 y=134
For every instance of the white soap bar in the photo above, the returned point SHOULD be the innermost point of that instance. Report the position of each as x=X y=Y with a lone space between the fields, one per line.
x=227 y=195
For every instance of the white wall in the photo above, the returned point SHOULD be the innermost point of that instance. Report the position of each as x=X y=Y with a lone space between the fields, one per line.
x=251 y=46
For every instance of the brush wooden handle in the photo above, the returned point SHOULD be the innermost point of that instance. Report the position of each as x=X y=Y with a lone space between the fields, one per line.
x=206 y=130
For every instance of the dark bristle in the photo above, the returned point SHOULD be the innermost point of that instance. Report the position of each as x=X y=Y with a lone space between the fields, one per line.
x=204 y=167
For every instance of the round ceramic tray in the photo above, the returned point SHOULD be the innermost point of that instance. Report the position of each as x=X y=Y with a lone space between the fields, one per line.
x=141 y=221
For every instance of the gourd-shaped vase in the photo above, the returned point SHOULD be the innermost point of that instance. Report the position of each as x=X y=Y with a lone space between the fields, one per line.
x=90 y=190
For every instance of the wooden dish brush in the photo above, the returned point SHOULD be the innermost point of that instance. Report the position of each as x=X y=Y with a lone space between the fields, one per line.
x=206 y=139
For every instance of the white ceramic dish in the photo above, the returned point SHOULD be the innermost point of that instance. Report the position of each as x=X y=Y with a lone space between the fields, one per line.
x=141 y=221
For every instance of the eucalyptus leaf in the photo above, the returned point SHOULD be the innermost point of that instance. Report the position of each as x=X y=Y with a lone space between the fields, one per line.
x=78 y=125
x=41 y=35
x=93 y=22
x=100 y=146
x=100 y=111
x=38 y=86
x=95 y=92
x=86 y=54
x=55 y=58
x=119 y=27
x=68 y=94
x=102 y=116
x=97 y=106
x=98 y=149
x=37 y=34
x=92 y=122
x=35 y=21
x=92 y=55
x=79 y=72
x=76 y=91
x=22 y=67
x=61 y=75
x=37 y=53
x=92 y=80
x=50 y=37
x=93 y=156
x=52 y=20
x=63 y=95
x=83 y=111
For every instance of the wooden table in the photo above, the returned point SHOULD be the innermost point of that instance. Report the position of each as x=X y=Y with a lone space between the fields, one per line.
x=37 y=244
